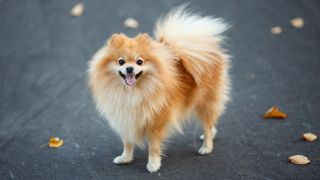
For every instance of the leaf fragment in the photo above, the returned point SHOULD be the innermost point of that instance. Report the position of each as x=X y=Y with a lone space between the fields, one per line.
x=276 y=30
x=274 y=112
x=77 y=10
x=297 y=22
x=55 y=142
x=299 y=159
x=309 y=137
x=131 y=23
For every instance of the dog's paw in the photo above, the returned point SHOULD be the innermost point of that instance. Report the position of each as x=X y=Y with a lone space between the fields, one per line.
x=205 y=150
x=153 y=166
x=122 y=160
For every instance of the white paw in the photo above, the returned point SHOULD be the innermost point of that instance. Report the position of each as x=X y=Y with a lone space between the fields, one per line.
x=205 y=150
x=122 y=160
x=153 y=166
x=214 y=133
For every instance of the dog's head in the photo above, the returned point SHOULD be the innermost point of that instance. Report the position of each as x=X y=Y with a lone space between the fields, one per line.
x=130 y=57
x=130 y=60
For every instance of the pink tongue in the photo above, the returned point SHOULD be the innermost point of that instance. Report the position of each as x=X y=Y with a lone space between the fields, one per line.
x=130 y=79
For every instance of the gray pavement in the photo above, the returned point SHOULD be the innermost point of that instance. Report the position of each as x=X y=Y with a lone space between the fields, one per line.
x=43 y=92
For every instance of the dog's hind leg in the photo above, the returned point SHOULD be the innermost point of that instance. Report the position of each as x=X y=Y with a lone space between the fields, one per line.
x=214 y=133
x=208 y=113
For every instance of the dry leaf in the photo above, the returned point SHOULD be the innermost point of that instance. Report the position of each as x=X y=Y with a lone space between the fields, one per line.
x=77 y=10
x=299 y=159
x=274 y=112
x=55 y=142
x=309 y=137
x=276 y=30
x=297 y=22
x=131 y=23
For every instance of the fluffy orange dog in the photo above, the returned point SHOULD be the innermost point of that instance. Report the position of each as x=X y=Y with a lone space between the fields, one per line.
x=146 y=86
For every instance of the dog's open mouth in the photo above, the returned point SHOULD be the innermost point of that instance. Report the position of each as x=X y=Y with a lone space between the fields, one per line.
x=131 y=78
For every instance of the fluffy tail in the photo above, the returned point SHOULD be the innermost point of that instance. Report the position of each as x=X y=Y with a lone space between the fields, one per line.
x=194 y=38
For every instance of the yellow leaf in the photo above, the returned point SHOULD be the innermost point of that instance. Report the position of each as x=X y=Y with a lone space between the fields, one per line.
x=299 y=159
x=309 y=137
x=274 y=112
x=55 y=142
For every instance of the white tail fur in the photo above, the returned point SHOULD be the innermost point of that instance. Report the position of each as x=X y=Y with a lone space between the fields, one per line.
x=193 y=37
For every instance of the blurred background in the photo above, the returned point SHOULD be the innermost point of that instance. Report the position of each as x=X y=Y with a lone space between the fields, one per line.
x=44 y=51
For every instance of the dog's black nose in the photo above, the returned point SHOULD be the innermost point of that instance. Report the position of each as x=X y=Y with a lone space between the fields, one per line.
x=129 y=69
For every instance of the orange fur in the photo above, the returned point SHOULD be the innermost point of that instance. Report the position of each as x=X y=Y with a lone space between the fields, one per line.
x=172 y=84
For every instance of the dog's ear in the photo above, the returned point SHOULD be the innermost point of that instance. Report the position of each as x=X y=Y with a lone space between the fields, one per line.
x=116 y=40
x=143 y=39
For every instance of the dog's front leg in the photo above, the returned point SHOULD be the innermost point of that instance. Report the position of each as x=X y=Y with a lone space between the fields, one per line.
x=154 y=149
x=127 y=153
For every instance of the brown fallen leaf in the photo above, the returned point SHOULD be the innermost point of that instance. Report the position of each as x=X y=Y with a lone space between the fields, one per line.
x=309 y=137
x=299 y=159
x=274 y=112
x=297 y=22
x=276 y=30
x=55 y=142
x=77 y=10
x=131 y=23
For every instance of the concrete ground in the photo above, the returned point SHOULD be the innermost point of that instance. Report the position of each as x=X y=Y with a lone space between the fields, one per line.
x=43 y=92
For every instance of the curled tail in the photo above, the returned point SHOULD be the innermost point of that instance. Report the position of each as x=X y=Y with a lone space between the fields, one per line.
x=196 y=39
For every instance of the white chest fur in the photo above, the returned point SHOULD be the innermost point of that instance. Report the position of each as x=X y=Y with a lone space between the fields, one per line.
x=128 y=111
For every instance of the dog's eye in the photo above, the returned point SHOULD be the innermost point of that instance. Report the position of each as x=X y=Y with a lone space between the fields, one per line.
x=139 y=62
x=121 y=62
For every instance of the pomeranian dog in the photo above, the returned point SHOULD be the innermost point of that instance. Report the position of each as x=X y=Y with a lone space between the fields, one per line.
x=146 y=86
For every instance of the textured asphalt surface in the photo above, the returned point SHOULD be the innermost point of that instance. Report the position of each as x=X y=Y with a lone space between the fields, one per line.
x=43 y=92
